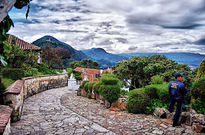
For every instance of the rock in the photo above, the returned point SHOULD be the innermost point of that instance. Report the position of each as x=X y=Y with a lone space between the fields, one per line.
x=98 y=128
x=198 y=128
x=114 y=109
x=107 y=104
x=79 y=92
x=186 y=118
x=158 y=132
x=161 y=112
x=199 y=118
x=180 y=131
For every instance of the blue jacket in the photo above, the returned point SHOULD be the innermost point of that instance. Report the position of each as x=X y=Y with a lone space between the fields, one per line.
x=177 y=90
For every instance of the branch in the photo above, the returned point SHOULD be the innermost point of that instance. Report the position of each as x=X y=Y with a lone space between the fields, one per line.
x=5 y=6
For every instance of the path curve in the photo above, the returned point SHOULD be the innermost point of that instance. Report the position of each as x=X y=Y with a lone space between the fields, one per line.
x=61 y=111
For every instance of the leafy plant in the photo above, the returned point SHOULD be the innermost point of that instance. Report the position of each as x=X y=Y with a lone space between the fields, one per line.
x=198 y=89
x=137 y=101
x=156 y=80
x=90 y=86
x=86 y=87
x=154 y=103
x=96 y=87
x=123 y=92
x=83 y=84
x=198 y=106
x=88 y=95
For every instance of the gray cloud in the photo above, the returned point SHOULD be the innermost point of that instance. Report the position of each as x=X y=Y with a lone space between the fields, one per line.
x=118 y=26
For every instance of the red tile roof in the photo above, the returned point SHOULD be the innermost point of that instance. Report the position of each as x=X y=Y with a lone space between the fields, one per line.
x=22 y=44
x=91 y=73
x=5 y=113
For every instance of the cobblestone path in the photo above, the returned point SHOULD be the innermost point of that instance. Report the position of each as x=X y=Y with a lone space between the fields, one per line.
x=62 y=112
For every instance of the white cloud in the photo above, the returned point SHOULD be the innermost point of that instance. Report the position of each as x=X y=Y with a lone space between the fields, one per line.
x=118 y=26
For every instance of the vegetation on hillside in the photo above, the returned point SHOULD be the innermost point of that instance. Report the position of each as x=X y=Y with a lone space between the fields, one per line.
x=86 y=63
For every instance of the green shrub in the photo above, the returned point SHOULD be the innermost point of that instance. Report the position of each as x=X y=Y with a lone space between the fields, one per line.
x=201 y=70
x=198 y=89
x=90 y=86
x=88 y=95
x=137 y=101
x=155 y=103
x=86 y=87
x=109 y=79
x=44 y=69
x=110 y=92
x=77 y=75
x=69 y=70
x=123 y=92
x=198 y=106
x=6 y=82
x=13 y=73
x=156 y=80
x=163 y=92
x=96 y=87
x=30 y=71
x=83 y=83
x=151 y=91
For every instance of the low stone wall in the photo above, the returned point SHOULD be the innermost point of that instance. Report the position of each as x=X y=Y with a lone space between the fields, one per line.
x=21 y=89
x=5 y=113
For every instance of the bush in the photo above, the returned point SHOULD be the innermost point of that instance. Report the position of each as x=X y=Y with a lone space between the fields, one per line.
x=69 y=70
x=198 y=106
x=110 y=92
x=158 y=91
x=96 y=87
x=198 y=89
x=156 y=80
x=109 y=79
x=30 y=71
x=155 y=103
x=13 y=73
x=90 y=86
x=44 y=69
x=137 y=101
x=151 y=91
x=201 y=70
x=123 y=92
x=77 y=75
x=83 y=83
x=86 y=87
x=88 y=95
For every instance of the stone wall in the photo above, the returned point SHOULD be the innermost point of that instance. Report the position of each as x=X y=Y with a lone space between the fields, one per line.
x=5 y=113
x=21 y=89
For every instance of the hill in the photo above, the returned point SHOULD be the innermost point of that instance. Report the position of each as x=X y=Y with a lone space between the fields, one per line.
x=102 y=57
x=53 y=42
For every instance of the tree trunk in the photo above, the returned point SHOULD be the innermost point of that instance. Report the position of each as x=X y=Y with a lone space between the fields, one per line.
x=5 y=6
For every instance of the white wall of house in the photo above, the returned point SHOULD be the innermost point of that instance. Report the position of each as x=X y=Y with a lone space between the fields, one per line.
x=39 y=58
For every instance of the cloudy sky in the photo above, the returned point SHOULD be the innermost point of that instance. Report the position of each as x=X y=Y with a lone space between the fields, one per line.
x=118 y=26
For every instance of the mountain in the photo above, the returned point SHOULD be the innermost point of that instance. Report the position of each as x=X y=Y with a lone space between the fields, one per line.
x=53 y=42
x=102 y=57
x=191 y=59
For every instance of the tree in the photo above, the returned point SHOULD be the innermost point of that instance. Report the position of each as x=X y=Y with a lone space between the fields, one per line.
x=50 y=57
x=63 y=53
x=86 y=63
x=137 y=71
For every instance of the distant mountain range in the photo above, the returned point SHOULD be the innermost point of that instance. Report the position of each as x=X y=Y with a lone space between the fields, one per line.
x=108 y=59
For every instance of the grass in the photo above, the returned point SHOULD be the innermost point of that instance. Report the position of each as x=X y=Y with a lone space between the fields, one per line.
x=7 y=82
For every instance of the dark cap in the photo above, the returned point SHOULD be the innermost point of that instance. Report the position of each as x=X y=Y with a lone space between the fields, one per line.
x=178 y=75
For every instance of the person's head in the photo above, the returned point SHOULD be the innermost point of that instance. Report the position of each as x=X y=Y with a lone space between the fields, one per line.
x=179 y=76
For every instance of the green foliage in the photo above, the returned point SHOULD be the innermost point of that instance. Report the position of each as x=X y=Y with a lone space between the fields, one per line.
x=158 y=91
x=2 y=61
x=83 y=84
x=6 y=82
x=86 y=63
x=198 y=106
x=77 y=75
x=30 y=71
x=110 y=87
x=198 y=89
x=140 y=70
x=155 y=103
x=13 y=73
x=110 y=92
x=123 y=92
x=201 y=70
x=137 y=101
x=156 y=80
x=88 y=95
x=86 y=86
x=44 y=69
x=69 y=71
x=90 y=86
x=96 y=87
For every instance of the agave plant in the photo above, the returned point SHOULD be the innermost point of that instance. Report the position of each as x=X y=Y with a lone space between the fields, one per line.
x=3 y=62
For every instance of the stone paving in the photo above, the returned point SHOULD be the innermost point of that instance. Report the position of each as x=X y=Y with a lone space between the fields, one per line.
x=62 y=112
